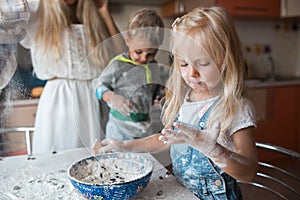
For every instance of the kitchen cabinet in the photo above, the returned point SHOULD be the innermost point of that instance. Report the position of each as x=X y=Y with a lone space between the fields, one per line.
x=252 y=8
x=139 y=2
x=278 y=117
x=290 y=8
x=19 y=113
x=180 y=7
x=262 y=9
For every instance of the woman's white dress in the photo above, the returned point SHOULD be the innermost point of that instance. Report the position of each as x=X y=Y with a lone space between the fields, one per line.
x=68 y=113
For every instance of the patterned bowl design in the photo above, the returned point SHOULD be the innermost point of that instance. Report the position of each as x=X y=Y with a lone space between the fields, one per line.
x=140 y=166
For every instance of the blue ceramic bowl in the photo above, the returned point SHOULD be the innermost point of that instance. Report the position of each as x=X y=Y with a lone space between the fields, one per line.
x=111 y=176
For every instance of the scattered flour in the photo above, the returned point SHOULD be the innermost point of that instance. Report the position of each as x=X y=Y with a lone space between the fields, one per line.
x=51 y=186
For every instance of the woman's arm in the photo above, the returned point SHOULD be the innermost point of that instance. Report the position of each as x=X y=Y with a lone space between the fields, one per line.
x=110 y=24
x=105 y=14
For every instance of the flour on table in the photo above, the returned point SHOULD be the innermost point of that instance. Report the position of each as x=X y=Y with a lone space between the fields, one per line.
x=51 y=186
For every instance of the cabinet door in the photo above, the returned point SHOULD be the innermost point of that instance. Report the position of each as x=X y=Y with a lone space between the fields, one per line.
x=14 y=143
x=280 y=123
x=259 y=99
x=298 y=111
x=252 y=8
x=180 y=7
x=23 y=115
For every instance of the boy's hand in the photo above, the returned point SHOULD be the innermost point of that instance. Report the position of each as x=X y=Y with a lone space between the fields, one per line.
x=203 y=140
x=121 y=104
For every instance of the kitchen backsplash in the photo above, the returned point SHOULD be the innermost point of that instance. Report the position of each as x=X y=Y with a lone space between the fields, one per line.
x=277 y=38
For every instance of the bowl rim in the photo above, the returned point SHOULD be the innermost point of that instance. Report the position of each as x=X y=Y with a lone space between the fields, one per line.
x=111 y=184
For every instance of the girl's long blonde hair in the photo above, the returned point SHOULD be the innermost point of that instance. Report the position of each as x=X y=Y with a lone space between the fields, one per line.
x=216 y=34
x=55 y=17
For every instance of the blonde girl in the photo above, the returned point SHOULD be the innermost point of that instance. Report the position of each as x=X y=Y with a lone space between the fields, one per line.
x=65 y=38
x=209 y=124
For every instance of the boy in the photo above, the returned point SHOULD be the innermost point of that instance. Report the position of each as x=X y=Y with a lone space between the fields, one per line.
x=132 y=81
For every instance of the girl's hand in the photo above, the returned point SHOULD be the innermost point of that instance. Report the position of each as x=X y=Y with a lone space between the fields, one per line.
x=107 y=146
x=203 y=140
x=121 y=104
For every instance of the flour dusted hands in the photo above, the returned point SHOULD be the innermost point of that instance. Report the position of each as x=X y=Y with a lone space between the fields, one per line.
x=203 y=140
x=121 y=104
x=107 y=146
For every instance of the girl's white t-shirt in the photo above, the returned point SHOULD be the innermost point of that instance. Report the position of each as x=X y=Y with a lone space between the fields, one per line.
x=191 y=113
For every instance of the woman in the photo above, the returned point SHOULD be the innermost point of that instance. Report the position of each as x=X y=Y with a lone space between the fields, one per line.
x=64 y=38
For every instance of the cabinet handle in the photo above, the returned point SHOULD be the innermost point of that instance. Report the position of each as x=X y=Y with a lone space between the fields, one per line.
x=270 y=101
x=284 y=6
x=251 y=9
x=181 y=6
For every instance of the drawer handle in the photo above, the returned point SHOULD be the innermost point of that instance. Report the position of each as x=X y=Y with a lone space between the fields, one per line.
x=259 y=9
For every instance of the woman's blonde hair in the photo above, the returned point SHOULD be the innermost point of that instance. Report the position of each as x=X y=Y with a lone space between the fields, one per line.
x=216 y=33
x=55 y=18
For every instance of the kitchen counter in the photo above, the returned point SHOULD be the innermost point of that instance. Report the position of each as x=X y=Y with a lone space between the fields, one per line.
x=258 y=83
x=20 y=102
x=45 y=177
x=250 y=83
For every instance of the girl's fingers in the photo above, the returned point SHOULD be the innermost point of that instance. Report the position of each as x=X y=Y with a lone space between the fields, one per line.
x=167 y=139
x=166 y=131
x=164 y=139
x=173 y=136
x=106 y=149
x=166 y=136
x=96 y=147
x=106 y=142
x=184 y=128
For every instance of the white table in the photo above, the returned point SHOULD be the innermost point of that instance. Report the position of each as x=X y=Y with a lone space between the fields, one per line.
x=45 y=177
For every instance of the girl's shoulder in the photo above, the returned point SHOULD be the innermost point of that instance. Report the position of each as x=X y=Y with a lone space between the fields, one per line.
x=247 y=105
x=245 y=108
x=246 y=115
